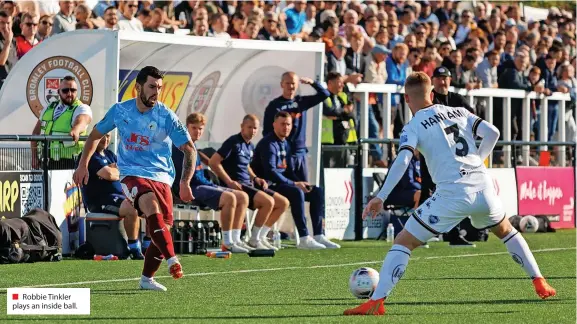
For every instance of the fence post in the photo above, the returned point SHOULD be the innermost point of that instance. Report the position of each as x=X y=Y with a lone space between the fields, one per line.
x=359 y=194
x=45 y=157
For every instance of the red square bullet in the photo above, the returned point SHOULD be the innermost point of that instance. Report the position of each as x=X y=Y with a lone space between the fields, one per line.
x=14 y=296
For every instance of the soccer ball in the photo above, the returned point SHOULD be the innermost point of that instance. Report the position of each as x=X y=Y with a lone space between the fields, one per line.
x=529 y=224
x=363 y=282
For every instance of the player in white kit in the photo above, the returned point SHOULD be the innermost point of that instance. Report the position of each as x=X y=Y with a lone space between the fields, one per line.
x=445 y=136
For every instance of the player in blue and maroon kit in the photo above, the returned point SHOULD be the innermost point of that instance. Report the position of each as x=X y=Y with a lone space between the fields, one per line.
x=146 y=131
x=297 y=107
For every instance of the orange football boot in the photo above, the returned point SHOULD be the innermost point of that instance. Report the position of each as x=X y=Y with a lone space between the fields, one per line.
x=371 y=307
x=543 y=289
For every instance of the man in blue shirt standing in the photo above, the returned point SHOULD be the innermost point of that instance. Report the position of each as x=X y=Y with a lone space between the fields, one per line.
x=232 y=203
x=146 y=130
x=232 y=165
x=297 y=107
x=103 y=194
x=296 y=18
x=270 y=163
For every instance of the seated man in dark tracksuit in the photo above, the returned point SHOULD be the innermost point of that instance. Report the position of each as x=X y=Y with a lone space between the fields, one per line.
x=270 y=163
x=231 y=203
x=232 y=165
x=103 y=194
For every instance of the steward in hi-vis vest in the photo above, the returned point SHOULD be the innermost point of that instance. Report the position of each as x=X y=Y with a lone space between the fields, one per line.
x=67 y=116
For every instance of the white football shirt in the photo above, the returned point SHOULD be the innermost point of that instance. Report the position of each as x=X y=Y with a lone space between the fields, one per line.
x=446 y=138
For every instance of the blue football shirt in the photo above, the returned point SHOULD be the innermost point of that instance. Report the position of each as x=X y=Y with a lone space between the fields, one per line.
x=145 y=139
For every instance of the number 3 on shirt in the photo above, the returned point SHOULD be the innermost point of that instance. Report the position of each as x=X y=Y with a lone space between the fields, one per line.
x=454 y=129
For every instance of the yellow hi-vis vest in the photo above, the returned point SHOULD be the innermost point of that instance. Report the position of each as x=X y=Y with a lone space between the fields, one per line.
x=61 y=126
x=327 y=135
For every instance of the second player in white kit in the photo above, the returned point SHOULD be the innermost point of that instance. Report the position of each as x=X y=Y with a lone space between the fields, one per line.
x=446 y=138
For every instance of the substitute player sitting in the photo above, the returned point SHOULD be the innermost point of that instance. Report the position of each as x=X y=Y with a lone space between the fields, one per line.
x=146 y=131
x=232 y=165
x=445 y=136
x=231 y=203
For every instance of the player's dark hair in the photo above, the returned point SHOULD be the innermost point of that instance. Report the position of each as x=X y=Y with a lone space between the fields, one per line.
x=282 y=114
x=3 y=14
x=147 y=71
x=68 y=78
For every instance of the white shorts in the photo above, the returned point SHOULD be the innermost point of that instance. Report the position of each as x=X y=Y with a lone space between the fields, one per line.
x=439 y=214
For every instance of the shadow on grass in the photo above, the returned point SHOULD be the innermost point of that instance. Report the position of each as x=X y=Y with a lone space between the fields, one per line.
x=349 y=301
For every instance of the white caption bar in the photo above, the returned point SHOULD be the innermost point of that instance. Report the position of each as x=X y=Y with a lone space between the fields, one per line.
x=48 y=301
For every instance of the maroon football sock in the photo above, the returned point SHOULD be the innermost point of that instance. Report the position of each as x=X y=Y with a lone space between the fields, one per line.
x=160 y=235
x=152 y=261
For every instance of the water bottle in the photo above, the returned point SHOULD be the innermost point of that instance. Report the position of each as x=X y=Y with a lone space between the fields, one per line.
x=390 y=232
x=219 y=255
x=200 y=239
x=110 y=257
x=211 y=235
x=188 y=230
x=261 y=253
x=276 y=239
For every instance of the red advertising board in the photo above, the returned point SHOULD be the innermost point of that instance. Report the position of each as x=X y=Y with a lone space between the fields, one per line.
x=547 y=191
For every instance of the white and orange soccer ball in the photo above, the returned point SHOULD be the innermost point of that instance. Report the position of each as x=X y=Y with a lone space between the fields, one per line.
x=363 y=282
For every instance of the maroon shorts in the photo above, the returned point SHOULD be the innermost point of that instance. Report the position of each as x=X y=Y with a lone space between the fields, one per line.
x=135 y=187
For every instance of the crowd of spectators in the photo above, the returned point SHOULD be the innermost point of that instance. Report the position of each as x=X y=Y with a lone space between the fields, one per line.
x=483 y=44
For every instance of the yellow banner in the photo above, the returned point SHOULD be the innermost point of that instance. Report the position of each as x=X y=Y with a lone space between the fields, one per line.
x=173 y=88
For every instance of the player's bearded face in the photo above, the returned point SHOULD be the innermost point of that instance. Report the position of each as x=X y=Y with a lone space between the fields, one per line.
x=150 y=91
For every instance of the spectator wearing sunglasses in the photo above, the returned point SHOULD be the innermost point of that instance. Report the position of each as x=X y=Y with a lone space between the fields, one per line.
x=64 y=20
x=67 y=116
x=26 y=41
x=127 y=20
x=44 y=28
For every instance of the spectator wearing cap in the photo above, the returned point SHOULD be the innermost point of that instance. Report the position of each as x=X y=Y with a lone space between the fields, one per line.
x=426 y=15
x=64 y=20
x=375 y=72
x=464 y=27
x=393 y=32
x=127 y=21
x=441 y=81
x=487 y=70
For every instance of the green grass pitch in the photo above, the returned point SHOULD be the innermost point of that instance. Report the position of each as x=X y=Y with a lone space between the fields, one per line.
x=441 y=285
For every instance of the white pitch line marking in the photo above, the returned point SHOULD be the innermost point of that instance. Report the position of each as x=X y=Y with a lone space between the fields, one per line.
x=285 y=268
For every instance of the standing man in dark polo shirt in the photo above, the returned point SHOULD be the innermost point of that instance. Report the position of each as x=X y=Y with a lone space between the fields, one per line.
x=232 y=165
x=297 y=107
x=442 y=95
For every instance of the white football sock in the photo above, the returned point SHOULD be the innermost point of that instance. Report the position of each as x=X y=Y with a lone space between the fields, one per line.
x=236 y=235
x=264 y=232
x=172 y=260
x=227 y=238
x=393 y=269
x=519 y=250
x=255 y=235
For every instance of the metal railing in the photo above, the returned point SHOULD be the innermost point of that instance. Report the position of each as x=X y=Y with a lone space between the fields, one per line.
x=17 y=158
x=388 y=90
